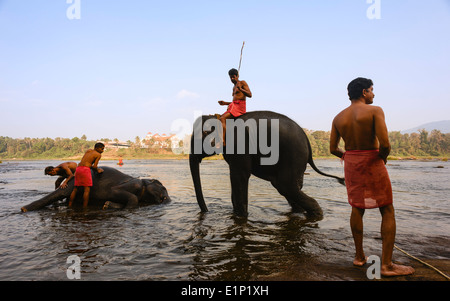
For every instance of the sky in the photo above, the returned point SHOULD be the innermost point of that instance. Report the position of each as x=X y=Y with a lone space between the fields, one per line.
x=121 y=69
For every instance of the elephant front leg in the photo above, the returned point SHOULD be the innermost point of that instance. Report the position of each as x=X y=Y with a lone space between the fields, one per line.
x=122 y=196
x=239 y=191
x=127 y=193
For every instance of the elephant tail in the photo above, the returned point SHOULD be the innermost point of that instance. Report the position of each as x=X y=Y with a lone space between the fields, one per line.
x=311 y=162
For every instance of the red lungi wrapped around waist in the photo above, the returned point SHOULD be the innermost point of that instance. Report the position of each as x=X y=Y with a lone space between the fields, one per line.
x=83 y=176
x=237 y=108
x=367 y=179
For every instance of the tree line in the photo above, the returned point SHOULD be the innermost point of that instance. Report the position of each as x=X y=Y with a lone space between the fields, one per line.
x=421 y=144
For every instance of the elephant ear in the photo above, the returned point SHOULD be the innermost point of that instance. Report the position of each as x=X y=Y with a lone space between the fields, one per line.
x=154 y=181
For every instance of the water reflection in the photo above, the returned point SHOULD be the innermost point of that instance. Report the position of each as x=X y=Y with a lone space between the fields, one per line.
x=246 y=248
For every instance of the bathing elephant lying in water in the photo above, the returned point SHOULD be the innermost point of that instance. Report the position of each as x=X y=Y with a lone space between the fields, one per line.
x=111 y=186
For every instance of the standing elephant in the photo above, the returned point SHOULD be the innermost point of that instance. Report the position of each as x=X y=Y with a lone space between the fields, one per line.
x=113 y=187
x=285 y=173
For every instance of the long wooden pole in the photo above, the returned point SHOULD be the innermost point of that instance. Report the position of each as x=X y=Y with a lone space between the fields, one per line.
x=240 y=60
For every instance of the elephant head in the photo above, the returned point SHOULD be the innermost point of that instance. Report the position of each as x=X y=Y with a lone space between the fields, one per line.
x=154 y=192
x=197 y=153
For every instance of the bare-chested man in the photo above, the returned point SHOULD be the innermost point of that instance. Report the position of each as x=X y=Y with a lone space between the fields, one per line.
x=238 y=106
x=364 y=131
x=64 y=170
x=83 y=172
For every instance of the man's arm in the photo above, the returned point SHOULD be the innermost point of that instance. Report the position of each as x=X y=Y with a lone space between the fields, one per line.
x=334 y=142
x=381 y=133
x=224 y=103
x=244 y=88
x=68 y=173
x=94 y=166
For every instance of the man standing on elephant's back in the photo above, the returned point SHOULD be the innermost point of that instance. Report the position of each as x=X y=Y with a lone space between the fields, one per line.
x=364 y=131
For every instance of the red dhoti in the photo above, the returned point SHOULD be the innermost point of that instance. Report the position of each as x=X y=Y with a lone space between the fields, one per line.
x=83 y=176
x=237 y=108
x=367 y=179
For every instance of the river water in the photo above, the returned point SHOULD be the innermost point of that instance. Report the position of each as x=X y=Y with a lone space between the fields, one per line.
x=175 y=241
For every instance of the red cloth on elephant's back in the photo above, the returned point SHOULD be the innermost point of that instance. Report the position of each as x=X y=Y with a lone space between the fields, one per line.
x=83 y=176
x=367 y=179
x=237 y=108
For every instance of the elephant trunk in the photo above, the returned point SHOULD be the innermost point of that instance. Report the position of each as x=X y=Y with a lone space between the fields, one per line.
x=56 y=195
x=194 y=163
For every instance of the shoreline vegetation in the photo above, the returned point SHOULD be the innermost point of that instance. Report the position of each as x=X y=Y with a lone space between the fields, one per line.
x=416 y=146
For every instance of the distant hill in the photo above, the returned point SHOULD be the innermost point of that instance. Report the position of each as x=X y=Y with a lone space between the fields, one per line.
x=443 y=126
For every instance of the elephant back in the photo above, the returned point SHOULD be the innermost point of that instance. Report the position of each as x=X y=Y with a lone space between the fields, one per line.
x=109 y=177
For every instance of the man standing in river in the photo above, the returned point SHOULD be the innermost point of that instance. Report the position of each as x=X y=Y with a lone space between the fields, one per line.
x=364 y=131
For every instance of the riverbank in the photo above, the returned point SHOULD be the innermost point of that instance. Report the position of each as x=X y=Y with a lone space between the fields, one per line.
x=336 y=270
x=115 y=157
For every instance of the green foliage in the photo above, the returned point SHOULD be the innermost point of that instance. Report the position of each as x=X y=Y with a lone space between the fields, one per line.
x=42 y=148
x=434 y=144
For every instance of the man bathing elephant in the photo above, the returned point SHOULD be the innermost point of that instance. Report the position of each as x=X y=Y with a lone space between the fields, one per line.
x=65 y=171
x=113 y=187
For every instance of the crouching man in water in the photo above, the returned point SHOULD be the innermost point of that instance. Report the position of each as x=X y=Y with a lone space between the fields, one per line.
x=65 y=171
x=364 y=131
x=83 y=176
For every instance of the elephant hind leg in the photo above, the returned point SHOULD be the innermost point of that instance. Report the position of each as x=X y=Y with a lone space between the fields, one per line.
x=299 y=201
x=311 y=206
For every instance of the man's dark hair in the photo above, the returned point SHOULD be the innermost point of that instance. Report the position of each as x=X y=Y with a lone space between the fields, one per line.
x=355 y=87
x=233 y=72
x=48 y=169
x=99 y=144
